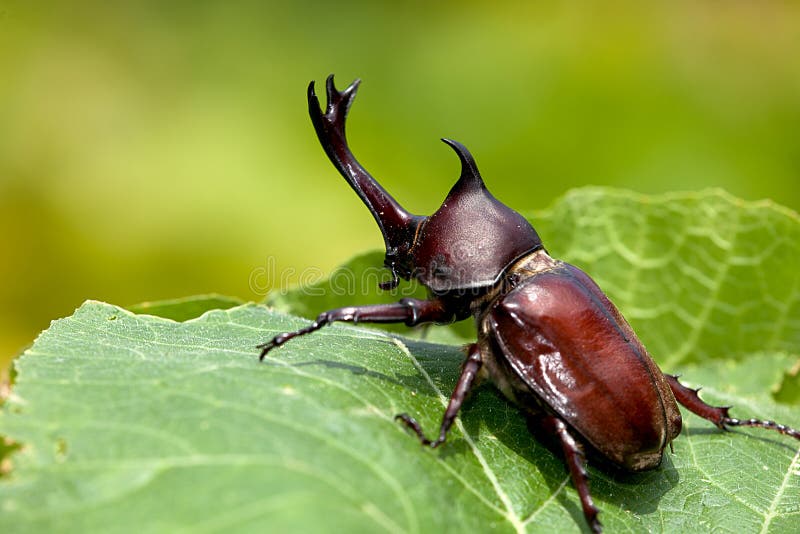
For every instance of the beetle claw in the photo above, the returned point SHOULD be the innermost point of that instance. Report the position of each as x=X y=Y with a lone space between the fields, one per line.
x=280 y=339
x=265 y=348
x=412 y=423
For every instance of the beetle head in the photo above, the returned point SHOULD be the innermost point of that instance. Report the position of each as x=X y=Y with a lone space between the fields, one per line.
x=472 y=238
x=466 y=245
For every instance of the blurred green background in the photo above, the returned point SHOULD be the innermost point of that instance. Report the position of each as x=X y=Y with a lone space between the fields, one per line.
x=152 y=150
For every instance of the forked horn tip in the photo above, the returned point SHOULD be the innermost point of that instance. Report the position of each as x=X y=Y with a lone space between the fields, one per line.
x=353 y=87
x=335 y=96
x=330 y=87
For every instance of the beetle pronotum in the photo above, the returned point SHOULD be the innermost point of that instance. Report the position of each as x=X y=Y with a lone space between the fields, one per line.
x=548 y=337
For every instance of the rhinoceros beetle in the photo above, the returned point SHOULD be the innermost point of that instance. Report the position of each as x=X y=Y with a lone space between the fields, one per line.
x=548 y=337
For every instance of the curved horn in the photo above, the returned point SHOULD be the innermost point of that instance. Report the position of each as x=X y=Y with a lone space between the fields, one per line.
x=470 y=176
x=393 y=220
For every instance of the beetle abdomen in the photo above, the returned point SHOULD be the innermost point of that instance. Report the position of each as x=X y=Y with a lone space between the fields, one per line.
x=571 y=348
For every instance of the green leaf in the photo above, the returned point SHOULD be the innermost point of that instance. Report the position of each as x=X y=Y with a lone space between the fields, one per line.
x=789 y=389
x=135 y=422
x=698 y=275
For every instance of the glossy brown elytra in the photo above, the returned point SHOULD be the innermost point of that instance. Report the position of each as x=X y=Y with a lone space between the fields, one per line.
x=548 y=337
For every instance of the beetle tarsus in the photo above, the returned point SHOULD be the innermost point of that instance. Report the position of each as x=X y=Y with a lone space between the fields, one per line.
x=466 y=381
x=414 y=425
x=408 y=311
x=770 y=425
x=280 y=339
x=719 y=414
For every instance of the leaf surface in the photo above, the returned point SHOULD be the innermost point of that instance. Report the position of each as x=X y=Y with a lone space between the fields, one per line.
x=134 y=422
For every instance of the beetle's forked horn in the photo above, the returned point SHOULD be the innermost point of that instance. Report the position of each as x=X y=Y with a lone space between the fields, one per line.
x=394 y=221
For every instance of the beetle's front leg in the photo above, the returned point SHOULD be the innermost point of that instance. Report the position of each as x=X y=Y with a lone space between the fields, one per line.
x=719 y=414
x=408 y=311
x=466 y=381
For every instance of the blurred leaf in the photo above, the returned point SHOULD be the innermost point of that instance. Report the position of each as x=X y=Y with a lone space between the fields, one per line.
x=352 y=284
x=140 y=423
x=183 y=309
x=788 y=390
x=7 y=446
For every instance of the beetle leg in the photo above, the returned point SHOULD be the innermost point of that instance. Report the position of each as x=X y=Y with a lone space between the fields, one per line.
x=408 y=311
x=719 y=414
x=469 y=372
x=576 y=461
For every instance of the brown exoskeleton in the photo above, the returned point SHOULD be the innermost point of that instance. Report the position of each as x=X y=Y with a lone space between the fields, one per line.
x=548 y=337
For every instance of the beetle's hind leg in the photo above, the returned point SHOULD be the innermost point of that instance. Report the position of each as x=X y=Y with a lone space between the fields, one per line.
x=466 y=381
x=719 y=414
x=576 y=461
